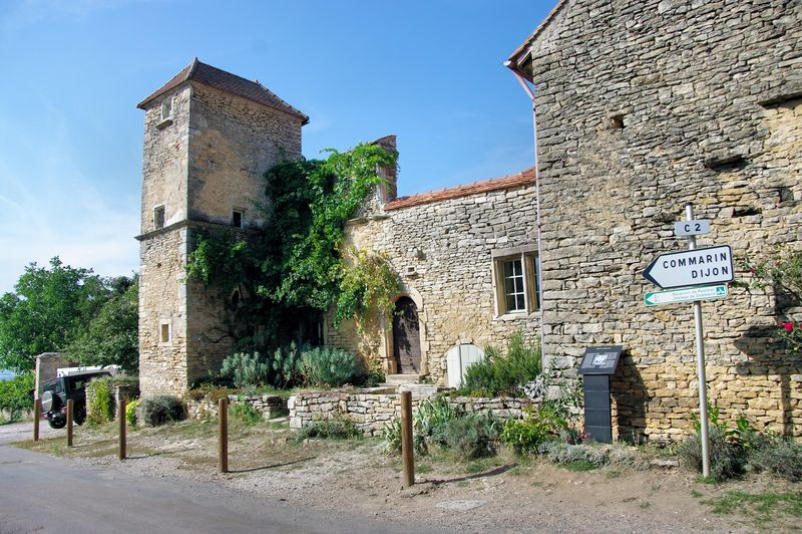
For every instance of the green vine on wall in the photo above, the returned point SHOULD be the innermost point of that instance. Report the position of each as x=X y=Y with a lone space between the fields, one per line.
x=294 y=264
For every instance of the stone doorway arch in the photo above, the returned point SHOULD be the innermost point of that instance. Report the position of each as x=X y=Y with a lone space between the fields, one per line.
x=406 y=337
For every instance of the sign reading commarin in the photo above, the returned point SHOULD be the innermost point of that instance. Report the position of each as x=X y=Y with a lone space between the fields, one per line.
x=700 y=266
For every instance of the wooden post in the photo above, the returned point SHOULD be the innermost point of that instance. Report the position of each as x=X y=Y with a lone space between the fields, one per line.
x=37 y=413
x=121 y=417
x=69 y=422
x=222 y=431
x=407 y=453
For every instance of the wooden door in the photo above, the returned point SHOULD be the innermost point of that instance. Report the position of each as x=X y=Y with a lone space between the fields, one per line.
x=406 y=336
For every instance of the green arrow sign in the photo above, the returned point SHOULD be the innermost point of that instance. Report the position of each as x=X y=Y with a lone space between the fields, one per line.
x=686 y=295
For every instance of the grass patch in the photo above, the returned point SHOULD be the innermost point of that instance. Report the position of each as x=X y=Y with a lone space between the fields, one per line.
x=579 y=465
x=696 y=494
x=761 y=507
x=613 y=474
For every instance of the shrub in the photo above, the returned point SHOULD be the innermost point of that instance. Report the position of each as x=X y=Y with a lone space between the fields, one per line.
x=499 y=375
x=581 y=456
x=286 y=367
x=547 y=422
x=162 y=409
x=429 y=424
x=473 y=435
x=328 y=429
x=781 y=457
x=130 y=412
x=246 y=369
x=211 y=392
x=324 y=366
x=16 y=395
x=246 y=413
x=728 y=457
x=99 y=401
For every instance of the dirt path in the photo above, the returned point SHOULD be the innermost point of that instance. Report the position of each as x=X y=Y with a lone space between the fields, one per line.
x=502 y=494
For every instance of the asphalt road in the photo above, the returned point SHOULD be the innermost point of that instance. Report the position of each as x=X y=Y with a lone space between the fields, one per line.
x=42 y=494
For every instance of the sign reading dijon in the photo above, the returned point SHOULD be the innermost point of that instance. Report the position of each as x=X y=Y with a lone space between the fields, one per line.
x=699 y=266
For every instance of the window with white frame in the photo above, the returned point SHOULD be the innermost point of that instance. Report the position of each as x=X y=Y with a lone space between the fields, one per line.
x=516 y=282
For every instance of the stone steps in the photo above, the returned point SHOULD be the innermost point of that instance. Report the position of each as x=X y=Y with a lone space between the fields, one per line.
x=397 y=380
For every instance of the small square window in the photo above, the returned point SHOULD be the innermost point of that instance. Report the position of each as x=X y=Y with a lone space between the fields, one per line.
x=236 y=218
x=158 y=217
x=164 y=333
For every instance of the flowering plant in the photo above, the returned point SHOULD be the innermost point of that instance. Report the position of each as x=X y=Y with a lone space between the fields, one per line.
x=792 y=335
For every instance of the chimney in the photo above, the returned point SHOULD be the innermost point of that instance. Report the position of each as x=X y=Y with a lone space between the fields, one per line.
x=388 y=191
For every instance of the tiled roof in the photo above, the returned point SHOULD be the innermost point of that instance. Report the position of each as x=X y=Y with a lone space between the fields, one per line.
x=225 y=81
x=526 y=177
x=519 y=55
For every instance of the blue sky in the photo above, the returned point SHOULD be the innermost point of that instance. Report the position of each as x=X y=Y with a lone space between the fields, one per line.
x=73 y=71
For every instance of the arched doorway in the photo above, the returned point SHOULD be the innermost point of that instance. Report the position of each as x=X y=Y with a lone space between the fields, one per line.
x=406 y=336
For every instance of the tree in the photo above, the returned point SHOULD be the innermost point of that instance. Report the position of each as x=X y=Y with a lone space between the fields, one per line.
x=112 y=335
x=46 y=311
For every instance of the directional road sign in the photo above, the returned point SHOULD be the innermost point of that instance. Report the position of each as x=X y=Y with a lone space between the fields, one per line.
x=701 y=266
x=691 y=227
x=686 y=295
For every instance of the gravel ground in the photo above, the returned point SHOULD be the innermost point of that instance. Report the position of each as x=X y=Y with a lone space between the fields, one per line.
x=354 y=478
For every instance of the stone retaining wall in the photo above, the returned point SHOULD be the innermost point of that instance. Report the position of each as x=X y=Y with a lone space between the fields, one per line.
x=269 y=406
x=370 y=411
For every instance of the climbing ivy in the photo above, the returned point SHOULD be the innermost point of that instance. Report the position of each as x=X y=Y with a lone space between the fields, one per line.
x=293 y=265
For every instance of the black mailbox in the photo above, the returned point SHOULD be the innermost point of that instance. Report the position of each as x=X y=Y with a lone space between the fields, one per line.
x=598 y=365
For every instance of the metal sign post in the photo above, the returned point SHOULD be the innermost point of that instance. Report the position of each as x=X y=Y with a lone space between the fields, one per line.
x=700 y=363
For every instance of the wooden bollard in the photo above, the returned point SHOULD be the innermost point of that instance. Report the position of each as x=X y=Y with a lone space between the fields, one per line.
x=37 y=413
x=407 y=453
x=69 y=422
x=121 y=417
x=222 y=435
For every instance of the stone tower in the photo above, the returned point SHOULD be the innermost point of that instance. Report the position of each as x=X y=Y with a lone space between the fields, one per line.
x=209 y=137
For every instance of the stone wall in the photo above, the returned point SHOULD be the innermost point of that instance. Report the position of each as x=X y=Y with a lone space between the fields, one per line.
x=371 y=410
x=642 y=107
x=47 y=365
x=442 y=245
x=162 y=301
x=202 y=163
x=269 y=406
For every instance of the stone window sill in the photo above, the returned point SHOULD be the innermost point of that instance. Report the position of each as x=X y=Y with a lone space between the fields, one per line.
x=164 y=124
x=513 y=316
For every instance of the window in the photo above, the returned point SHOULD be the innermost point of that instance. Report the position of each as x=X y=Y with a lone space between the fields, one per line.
x=516 y=282
x=158 y=217
x=167 y=109
x=236 y=218
x=164 y=333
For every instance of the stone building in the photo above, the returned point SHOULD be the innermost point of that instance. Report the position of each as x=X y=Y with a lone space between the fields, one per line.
x=642 y=107
x=467 y=259
x=209 y=137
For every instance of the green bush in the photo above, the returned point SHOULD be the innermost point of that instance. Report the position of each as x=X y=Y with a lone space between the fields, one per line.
x=473 y=435
x=130 y=412
x=546 y=423
x=246 y=369
x=728 y=457
x=286 y=367
x=781 y=457
x=581 y=456
x=15 y=395
x=100 y=401
x=162 y=409
x=429 y=424
x=328 y=429
x=246 y=413
x=497 y=375
x=325 y=366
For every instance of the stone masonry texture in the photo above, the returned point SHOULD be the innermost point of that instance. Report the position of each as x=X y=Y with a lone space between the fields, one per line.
x=443 y=253
x=201 y=163
x=642 y=107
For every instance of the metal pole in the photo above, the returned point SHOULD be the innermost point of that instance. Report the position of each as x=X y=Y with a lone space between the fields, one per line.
x=222 y=432
x=69 y=422
x=37 y=412
x=121 y=417
x=700 y=364
x=406 y=438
